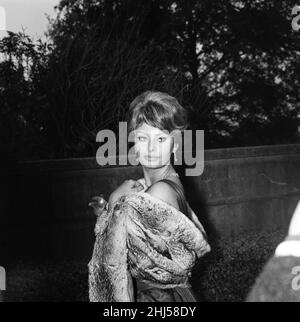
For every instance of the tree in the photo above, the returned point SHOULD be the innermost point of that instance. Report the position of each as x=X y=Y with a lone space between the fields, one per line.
x=20 y=127
x=234 y=65
x=234 y=59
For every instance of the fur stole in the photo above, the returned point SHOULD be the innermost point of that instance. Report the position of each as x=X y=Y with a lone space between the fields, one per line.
x=145 y=238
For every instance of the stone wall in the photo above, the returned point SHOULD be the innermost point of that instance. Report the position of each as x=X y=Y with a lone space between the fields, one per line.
x=44 y=204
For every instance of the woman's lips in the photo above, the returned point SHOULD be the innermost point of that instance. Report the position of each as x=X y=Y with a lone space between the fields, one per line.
x=151 y=157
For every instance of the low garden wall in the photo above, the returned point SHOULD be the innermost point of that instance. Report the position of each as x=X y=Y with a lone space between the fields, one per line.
x=44 y=209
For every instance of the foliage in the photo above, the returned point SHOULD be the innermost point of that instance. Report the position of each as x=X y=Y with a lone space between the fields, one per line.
x=226 y=274
x=234 y=65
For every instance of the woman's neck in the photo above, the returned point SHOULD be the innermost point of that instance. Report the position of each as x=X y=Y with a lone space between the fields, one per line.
x=153 y=175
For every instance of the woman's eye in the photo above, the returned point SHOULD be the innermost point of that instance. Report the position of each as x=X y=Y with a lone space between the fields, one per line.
x=142 y=138
x=163 y=139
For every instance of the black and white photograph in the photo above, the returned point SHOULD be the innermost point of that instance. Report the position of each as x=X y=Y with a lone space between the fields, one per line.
x=150 y=152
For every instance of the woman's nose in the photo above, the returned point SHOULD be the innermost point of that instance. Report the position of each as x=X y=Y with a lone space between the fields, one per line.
x=151 y=145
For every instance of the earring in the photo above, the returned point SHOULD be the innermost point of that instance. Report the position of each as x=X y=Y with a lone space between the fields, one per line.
x=175 y=157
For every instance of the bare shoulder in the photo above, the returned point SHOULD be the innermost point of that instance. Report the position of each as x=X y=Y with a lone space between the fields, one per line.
x=165 y=192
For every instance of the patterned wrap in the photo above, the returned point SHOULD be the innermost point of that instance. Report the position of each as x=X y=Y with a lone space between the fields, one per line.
x=145 y=238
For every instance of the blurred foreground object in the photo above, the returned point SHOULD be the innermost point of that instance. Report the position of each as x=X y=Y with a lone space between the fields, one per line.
x=280 y=278
x=294 y=229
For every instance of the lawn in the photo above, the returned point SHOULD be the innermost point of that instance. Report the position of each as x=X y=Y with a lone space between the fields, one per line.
x=226 y=274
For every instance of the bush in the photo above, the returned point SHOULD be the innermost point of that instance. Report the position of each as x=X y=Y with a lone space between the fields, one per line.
x=225 y=274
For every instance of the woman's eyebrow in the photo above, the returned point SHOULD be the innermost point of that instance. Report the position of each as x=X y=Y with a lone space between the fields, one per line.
x=141 y=131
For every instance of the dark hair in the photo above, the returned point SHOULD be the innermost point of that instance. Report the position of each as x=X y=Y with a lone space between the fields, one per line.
x=159 y=110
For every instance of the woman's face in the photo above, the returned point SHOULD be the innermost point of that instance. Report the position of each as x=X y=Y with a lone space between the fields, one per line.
x=153 y=146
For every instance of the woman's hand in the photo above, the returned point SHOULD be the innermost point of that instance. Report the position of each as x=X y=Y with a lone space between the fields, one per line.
x=98 y=204
x=127 y=186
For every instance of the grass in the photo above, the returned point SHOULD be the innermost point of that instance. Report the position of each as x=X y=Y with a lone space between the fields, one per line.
x=225 y=274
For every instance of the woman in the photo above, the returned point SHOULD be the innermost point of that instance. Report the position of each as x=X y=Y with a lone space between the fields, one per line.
x=163 y=236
